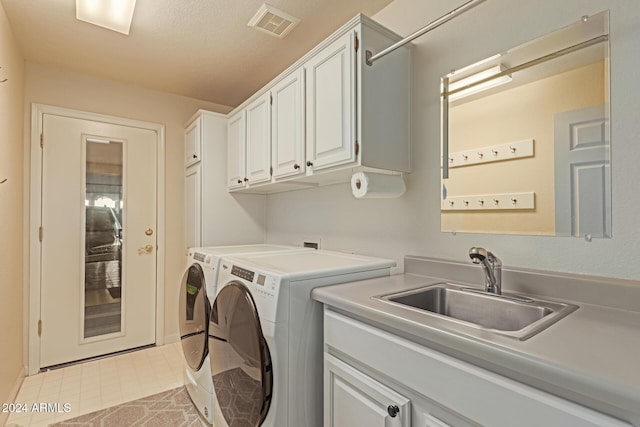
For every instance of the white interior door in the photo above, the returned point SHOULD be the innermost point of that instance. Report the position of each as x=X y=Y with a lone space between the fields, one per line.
x=98 y=251
x=582 y=172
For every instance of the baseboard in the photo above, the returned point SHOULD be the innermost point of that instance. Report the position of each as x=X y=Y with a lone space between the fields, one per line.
x=170 y=339
x=4 y=416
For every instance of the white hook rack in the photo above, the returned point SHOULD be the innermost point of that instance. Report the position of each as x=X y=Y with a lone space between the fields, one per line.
x=494 y=153
x=490 y=202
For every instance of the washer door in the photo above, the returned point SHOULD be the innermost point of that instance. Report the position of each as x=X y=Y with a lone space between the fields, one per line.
x=240 y=359
x=194 y=316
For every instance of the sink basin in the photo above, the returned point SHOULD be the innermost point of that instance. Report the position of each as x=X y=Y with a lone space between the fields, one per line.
x=511 y=315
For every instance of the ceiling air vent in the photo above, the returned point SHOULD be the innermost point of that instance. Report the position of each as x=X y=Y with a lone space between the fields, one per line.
x=273 y=21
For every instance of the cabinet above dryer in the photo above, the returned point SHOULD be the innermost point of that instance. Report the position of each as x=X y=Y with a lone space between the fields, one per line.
x=329 y=115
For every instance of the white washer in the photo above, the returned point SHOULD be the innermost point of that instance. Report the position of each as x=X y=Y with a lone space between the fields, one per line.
x=265 y=335
x=197 y=290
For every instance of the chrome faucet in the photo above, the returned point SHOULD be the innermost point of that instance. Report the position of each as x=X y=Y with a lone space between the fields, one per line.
x=492 y=267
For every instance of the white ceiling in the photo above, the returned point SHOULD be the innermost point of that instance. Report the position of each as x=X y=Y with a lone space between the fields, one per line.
x=197 y=48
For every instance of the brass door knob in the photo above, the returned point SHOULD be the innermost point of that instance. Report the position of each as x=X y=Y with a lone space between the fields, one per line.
x=147 y=248
x=148 y=231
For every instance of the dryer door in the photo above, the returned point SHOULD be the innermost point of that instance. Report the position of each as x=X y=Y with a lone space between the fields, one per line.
x=194 y=316
x=240 y=359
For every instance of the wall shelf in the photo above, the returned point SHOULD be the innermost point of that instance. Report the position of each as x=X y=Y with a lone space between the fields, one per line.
x=494 y=153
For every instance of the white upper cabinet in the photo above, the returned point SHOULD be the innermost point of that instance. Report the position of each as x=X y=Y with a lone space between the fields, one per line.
x=287 y=126
x=329 y=112
x=330 y=104
x=258 y=140
x=236 y=173
x=192 y=146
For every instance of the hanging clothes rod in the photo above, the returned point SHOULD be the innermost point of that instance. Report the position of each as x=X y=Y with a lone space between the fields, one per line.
x=371 y=58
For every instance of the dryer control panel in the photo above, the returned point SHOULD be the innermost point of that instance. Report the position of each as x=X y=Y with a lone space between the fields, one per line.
x=243 y=273
x=263 y=287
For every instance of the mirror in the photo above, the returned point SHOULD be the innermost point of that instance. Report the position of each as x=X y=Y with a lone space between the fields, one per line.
x=525 y=138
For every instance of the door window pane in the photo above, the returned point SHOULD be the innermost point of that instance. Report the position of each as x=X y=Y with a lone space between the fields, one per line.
x=103 y=239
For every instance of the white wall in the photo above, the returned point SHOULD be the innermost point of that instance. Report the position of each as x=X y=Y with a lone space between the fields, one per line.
x=411 y=224
x=11 y=218
x=47 y=85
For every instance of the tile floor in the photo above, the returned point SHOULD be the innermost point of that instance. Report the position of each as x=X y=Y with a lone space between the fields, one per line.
x=99 y=384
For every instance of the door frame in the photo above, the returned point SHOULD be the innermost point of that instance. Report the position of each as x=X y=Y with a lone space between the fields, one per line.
x=33 y=300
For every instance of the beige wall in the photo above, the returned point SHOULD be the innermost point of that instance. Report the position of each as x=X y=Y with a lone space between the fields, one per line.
x=57 y=87
x=11 y=212
x=522 y=112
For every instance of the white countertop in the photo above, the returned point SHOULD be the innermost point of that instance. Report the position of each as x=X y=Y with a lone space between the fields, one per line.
x=592 y=356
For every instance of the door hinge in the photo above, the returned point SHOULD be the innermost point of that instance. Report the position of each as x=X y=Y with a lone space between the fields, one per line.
x=41 y=140
x=357 y=43
x=271 y=170
x=270 y=99
x=40 y=233
x=357 y=148
x=39 y=328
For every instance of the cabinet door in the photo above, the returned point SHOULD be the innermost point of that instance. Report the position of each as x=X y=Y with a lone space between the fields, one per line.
x=192 y=143
x=236 y=151
x=352 y=398
x=287 y=126
x=193 y=207
x=331 y=102
x=259 y=140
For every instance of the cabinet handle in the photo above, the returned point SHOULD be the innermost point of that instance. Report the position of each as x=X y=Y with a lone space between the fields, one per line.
x=246 y=180
x=393 y=410
x=239 y=181
x=296 y=166
x=195 y=156
x=309 y=163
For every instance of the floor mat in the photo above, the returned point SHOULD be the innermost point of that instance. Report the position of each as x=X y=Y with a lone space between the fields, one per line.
x=171 y=408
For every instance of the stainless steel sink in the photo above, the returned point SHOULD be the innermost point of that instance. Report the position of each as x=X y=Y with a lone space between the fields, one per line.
x=507 y=314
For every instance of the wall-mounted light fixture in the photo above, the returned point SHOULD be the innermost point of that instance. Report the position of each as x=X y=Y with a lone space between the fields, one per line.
x=115 y=15
x=478 y=82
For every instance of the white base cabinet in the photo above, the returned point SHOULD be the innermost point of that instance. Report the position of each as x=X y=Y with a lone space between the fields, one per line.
x=353 y=398
x=442 y=390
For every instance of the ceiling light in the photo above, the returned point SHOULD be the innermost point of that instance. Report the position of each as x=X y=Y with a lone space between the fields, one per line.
x=115 y=15
x=478 y=82
x=273 y=21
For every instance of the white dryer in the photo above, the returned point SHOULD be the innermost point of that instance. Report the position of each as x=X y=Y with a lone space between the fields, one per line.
x=196 y=292
x=265 y=335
